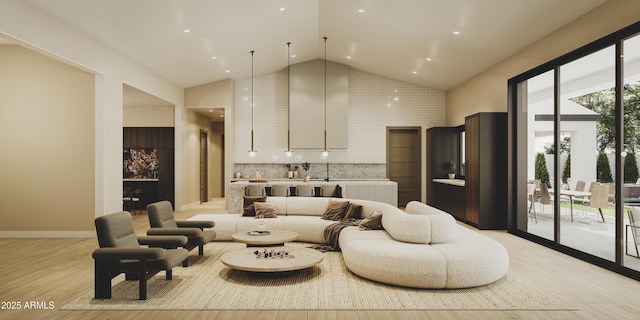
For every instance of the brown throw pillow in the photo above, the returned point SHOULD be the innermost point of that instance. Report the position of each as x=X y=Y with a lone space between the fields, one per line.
x=354 y=211
x=249 y=210
x=374 y=222
x=265 y=210
x=335 y=210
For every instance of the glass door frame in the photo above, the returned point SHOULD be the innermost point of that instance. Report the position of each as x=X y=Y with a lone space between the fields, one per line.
x=517 y=144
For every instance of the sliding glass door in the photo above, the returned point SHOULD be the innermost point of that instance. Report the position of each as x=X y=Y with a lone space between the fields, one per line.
x=575 y=144
x=631 y=186
x=587 y=122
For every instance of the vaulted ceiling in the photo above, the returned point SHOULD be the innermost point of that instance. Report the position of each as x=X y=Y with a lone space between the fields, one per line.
x=406 y=40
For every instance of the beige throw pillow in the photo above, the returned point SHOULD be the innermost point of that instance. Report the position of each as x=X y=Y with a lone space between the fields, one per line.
x=265 y=210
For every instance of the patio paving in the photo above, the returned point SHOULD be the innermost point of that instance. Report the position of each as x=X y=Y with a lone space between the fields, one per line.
x=586 y=233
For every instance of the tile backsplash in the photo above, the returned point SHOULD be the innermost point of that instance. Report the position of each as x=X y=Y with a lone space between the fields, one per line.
x=352 y=171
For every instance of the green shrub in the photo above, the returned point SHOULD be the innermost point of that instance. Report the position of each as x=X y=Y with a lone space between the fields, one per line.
x=542 y=173
x=566 y=173
x=603 y=170
x=630 y=168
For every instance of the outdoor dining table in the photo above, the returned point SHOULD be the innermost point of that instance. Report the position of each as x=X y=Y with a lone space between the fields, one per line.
x=571 y=194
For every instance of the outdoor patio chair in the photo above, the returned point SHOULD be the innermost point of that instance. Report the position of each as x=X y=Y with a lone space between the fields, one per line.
x=599 y=198
x=531 y=198
x=634 y=228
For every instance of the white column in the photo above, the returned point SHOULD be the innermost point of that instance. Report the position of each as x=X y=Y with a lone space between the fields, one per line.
x=109 y=118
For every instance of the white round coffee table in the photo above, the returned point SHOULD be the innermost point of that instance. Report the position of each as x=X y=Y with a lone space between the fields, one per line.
x=298 y=258
x=274 y=238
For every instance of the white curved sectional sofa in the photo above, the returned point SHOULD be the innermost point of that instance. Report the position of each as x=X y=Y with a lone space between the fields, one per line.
x=422 y=248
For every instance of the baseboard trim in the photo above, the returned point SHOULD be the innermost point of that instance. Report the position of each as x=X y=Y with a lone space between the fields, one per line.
x=47 y=234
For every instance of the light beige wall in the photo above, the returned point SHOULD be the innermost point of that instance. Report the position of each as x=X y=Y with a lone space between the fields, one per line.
x=217 y=94
x=148 y=116
x=192 y=123
x=488 y=90
x=48 y=145
x=216 y=169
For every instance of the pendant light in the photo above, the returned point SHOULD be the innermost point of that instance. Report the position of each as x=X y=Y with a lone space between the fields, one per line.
x=252 y=152
x=325 y=153
x=289 y=152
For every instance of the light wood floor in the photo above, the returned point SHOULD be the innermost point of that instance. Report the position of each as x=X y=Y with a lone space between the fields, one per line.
x=59 y=270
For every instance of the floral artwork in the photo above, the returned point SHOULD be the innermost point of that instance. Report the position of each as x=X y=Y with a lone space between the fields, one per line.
x=140 y=163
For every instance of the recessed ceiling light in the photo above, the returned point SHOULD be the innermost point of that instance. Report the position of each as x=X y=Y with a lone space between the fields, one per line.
x=293 y=56
x=282 y=9
x=210 y=110
x=227 y=71
x=415 y=72
x=187 y=30
x=214 y=57
x=222 y=116
x=428 y=59
x=456 y=32
x=361 y=10
x=348 y=57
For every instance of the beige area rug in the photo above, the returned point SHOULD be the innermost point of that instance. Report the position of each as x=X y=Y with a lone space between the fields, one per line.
x=207 y=284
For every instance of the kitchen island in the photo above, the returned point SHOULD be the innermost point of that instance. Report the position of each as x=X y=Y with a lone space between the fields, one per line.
x=381 y=190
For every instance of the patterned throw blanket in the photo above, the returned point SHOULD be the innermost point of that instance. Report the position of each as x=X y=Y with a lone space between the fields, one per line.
x=331 y=235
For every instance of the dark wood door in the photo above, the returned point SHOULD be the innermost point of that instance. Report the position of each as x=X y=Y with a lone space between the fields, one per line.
x=404 y=162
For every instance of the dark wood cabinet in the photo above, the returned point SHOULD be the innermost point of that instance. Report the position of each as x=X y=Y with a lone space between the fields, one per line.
x=443 y=146
x=486 y=170
x=451 y=199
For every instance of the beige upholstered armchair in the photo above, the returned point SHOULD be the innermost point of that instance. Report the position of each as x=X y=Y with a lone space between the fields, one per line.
x=120 y=252
x=162 y=222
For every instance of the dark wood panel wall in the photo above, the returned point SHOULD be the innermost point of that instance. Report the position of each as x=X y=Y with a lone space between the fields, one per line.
x=161 y=138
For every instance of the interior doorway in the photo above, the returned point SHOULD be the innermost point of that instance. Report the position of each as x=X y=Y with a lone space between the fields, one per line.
x=204 y=166
x=404 y=146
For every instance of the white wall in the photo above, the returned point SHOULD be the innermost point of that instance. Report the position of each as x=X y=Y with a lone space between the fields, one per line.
x=374 y=103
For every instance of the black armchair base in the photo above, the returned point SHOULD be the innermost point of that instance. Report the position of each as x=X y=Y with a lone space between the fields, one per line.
x=162 y=222
x=120 y=252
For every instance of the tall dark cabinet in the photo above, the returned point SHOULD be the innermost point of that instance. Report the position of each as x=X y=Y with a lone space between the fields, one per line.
x=443 y=146
x=486 y=170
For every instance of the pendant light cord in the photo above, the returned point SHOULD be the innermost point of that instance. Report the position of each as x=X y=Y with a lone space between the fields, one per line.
x=325 y=93
x=288 y=97
x=252 y=92
x=252 y=51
